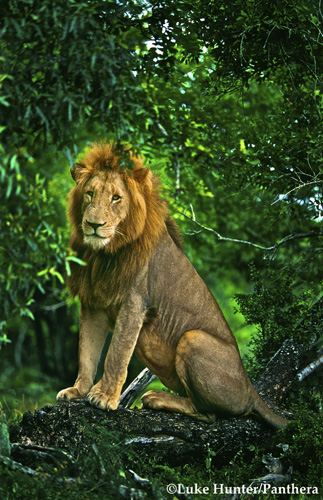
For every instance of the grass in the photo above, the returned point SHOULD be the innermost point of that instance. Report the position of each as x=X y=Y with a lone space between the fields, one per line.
x=25 y=390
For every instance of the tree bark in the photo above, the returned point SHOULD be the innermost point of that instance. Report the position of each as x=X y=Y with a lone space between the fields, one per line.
x=173 y=438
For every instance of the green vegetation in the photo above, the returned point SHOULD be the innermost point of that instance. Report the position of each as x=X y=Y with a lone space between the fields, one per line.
x=107 y=469
x=224 y=99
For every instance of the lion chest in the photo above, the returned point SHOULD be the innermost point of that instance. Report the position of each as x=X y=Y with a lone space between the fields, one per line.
x=98 y=284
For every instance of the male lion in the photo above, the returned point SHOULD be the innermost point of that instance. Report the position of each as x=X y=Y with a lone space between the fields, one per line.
x=138 y=282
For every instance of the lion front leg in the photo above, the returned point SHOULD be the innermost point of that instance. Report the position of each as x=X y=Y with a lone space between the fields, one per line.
x=93 y=330
x=106 y=393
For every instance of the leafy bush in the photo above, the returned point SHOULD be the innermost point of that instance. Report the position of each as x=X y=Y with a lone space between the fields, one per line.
x=305 y=453
x=32 y=248
x=278 y=310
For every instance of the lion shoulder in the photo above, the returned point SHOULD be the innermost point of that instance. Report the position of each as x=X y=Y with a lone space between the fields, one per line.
x=174 y=232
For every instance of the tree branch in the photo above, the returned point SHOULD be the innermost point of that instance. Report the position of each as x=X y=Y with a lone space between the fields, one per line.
x=302 y=185
x=286 y=239
x=138 y=385
x=310 y=368
x=174 y=438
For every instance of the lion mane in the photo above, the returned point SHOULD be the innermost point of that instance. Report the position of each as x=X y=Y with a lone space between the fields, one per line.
x=145 y=222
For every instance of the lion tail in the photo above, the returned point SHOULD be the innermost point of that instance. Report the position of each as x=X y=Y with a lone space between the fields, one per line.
x=262 y=410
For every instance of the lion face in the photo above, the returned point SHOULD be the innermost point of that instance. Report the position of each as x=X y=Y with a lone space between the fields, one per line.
x=111 y=207
x=105 y=206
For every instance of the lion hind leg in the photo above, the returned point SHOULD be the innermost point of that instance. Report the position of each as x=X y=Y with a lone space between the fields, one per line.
x=158 y=400
x=212 y=374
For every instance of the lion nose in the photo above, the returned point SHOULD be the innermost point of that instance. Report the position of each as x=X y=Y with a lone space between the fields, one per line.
x=95 y=225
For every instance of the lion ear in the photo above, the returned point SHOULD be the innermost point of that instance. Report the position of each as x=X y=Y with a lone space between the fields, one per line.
x=75 y=171
x=141 y=175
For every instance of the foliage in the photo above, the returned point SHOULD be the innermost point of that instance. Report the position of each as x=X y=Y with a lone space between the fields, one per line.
x=213 y=103
x=66 y=61
x=278 y=311
x=25 y=390
x=31 y=250
x=225 y=101
x=305 y=451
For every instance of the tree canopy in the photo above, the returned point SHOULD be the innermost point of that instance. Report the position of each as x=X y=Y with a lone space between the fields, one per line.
x=224 y=100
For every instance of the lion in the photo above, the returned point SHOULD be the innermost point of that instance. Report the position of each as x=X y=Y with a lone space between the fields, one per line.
x=139 y=283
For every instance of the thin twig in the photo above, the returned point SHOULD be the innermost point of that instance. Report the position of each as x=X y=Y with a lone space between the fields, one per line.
x=177 y=173
x=101 y=463
x=283 y=196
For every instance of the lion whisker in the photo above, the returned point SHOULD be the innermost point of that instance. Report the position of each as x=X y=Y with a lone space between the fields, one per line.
x=120 y=233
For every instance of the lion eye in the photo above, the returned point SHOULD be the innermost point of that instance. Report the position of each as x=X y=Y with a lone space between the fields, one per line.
x=116 y=197
x=89 y=193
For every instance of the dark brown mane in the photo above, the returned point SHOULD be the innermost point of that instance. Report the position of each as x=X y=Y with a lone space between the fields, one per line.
x=111 y=269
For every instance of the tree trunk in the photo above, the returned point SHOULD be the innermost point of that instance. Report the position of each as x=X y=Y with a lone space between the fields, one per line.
x=174 y=438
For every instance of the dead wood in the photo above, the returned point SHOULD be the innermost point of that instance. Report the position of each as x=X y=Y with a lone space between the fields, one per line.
x=280 y=374
x=137 y=386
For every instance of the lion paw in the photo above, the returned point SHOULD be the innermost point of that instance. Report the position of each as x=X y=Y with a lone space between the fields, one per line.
x=68 y=394
x=101 y=400
x=151 y=399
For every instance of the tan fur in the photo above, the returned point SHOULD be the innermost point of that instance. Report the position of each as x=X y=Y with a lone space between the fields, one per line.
x=138 y=282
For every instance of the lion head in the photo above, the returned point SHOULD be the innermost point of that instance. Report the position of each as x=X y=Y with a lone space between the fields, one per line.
x=111 y=207
x=117 y=217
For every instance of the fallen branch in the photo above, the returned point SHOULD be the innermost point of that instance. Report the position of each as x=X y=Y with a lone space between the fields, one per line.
x=170 y=437
x=38 y=455
x=17 y=466
x=310 y=368
x=137 y=386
